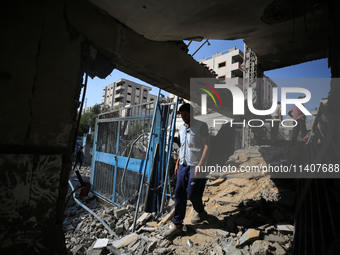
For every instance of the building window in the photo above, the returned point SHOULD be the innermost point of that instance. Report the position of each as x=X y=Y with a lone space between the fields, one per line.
x=137 y=88
x=222 y=64
x=144 y=97
x=129 y=93
x=221 y=78
x=128 y=102
x=129 y=86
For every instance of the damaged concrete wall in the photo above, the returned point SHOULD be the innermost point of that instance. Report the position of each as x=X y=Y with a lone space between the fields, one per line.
x=40 y=85
x=43 y=57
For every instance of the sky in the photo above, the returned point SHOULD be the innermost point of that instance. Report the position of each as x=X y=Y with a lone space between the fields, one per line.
x=312 y=69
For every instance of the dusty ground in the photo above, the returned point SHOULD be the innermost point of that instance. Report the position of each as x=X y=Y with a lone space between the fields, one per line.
x=252 y=202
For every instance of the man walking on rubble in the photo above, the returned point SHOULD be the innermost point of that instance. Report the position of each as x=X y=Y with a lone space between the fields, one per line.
x=193 y=153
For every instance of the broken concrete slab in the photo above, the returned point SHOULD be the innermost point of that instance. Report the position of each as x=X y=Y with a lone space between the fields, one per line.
x=285 y=227
x=152 y=244
x=125 y=241
x=113 y=249
x=275 y=238
x=144 y=218
x=120 y=212
x=278 y=249
x=249 y=235
x=260 y=247
x=159 y=251
x=230 y=247
x=218 y=249
x=222 y=233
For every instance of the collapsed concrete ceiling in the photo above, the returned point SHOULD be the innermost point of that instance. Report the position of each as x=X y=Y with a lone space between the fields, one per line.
x=281 y=32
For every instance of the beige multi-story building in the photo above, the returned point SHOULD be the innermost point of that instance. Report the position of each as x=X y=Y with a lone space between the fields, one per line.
x=226 y=64
x=124 y=92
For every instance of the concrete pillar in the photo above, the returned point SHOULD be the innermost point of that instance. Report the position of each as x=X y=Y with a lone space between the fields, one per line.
x=41 y=78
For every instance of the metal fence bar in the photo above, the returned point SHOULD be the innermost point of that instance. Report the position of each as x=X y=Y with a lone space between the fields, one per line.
x=145 y=162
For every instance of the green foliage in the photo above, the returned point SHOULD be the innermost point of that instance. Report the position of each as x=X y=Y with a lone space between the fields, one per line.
x=88 y=119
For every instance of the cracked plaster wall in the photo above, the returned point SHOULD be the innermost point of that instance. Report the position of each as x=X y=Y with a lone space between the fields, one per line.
x=40 y=77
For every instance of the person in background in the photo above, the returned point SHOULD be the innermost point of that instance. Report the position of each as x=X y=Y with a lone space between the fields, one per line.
x=275 y=128
x=79 y=157
x=300 y=118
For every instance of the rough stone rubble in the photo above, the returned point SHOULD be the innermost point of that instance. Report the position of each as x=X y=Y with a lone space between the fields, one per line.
x=253 y=215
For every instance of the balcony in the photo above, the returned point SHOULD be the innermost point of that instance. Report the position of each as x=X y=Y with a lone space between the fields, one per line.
x=118 y=104
x=103 y=95
x=120 y=88
x=236 y=69
x=237 y=56
x=119 y=95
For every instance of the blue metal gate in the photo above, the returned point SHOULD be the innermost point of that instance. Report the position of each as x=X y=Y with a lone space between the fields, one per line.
x=124 y=152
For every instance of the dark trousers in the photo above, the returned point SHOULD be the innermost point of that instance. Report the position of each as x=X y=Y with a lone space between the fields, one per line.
x=187 y=186
x=80 y=163
x=299 y=128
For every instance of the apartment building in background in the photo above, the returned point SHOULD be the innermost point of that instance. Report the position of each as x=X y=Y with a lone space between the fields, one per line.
x=125 y=92
x=226 y=64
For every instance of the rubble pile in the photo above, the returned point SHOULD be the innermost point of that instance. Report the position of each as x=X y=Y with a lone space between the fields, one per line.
x=250 y=215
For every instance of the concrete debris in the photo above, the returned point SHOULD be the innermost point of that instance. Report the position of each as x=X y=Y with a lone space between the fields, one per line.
x=285 y=227
x=144 y=218
x=249 y=235
x=260 y=247
x=275 y=238
x=222 y=233
x=278 y=249
x=125 y=241
x=244 y=218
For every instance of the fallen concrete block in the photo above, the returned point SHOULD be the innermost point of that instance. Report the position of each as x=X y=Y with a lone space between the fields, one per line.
x=120 y=212
x=260 y=247
x=151 y=245
x=249 y=235
x=285 y=227
x=119 y=229
x=125 y=241
x=275 y=238
x=279 y=250
x=144 y=218
x=141 y=251
x=148 y=229
x=113 y=249
x=159 y=251
x=134 y=248
x=222 y=233
x=217 y=249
